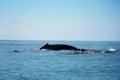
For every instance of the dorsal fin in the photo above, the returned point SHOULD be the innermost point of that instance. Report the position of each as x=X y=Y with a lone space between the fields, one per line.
x=46 y=44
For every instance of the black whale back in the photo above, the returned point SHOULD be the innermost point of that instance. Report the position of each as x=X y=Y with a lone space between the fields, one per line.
x=58 y=47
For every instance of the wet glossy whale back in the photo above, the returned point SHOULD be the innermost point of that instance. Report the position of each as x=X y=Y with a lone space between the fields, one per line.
x=58 y=47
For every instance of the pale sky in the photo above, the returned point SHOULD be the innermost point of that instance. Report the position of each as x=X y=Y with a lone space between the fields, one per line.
x=60 y=20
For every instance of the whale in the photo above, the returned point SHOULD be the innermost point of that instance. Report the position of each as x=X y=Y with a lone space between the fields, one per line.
x=57 y=47
x=16 y=50
x=110 y=50
x=75 y=50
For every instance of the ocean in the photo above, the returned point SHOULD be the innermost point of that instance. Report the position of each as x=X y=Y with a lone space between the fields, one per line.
x=32 y=64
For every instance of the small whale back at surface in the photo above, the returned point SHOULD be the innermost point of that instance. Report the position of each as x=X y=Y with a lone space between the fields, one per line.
x=111 y=50
x=58 y=47
x=16 y=51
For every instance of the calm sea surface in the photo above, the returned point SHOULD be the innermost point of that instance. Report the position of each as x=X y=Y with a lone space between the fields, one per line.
x=33 y=64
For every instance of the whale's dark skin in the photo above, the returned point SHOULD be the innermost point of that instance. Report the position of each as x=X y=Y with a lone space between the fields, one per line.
x=57 y=47
x=16 y=51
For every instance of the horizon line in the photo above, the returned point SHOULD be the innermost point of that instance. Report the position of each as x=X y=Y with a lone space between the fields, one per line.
x=50 y=40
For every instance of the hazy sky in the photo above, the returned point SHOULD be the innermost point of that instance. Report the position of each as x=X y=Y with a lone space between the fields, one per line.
x=60 y=19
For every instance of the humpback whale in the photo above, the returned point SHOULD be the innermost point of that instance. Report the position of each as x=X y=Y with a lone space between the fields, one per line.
x=57 y=47
x=16 y=51
x=111 y=50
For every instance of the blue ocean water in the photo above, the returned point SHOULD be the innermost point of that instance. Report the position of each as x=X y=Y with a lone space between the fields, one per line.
x=33 y=64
